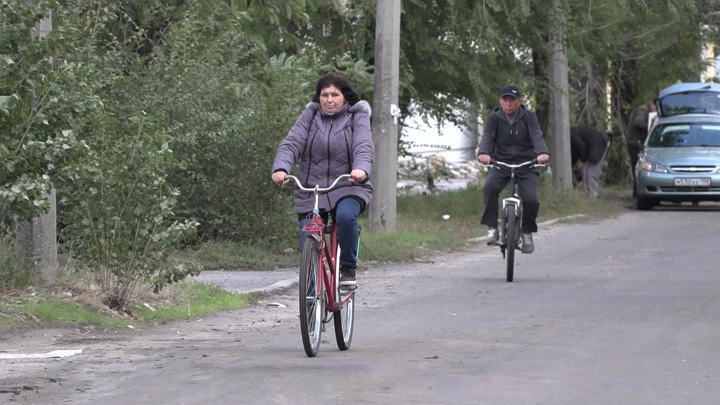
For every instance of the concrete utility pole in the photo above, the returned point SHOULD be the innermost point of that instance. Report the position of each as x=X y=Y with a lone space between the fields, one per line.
x=37 y=239
x=560 y=107
x=383 y=207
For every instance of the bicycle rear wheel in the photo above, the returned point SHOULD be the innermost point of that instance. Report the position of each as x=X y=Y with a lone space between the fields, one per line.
x=510 y=240
x=312 y=298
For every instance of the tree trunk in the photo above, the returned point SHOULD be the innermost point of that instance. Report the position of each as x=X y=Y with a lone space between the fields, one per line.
x=542 y=96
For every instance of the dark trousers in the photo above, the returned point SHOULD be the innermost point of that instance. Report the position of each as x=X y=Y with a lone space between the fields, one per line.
x=346 y=214
x=634 y=149
x=527 y=183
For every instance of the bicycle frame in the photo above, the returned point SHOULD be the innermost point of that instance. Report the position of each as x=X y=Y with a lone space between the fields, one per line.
x=329 y=263
x=513 y=200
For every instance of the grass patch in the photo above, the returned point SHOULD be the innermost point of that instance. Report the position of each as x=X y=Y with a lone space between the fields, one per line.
x=233 y=256
x=194 y=299
x=421 y=229
x=46 y=307
x=68 y=312
x=180 y=301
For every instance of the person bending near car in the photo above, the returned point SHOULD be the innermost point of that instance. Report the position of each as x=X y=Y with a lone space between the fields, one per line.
x=588 y=147
x=332 y=137
x=512 y=135
x=637 y=132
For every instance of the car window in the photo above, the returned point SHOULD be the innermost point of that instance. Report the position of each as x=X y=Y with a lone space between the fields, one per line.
x=685 y=135
x=707 y=102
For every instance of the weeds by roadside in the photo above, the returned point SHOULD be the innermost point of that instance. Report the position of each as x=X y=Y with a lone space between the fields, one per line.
x=421 y=229
x=59 y=305
x=13 y=271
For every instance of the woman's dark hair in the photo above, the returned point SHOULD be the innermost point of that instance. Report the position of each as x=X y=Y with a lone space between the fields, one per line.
x=338 y=81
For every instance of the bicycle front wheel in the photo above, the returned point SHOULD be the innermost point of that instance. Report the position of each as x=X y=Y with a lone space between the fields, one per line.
x=510 y=240
x=312 y=299
x=345 y=319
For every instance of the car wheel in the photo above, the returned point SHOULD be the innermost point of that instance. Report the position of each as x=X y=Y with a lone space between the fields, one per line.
x=644 y=204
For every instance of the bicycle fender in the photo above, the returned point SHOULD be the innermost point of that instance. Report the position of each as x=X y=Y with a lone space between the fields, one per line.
x=511 y=201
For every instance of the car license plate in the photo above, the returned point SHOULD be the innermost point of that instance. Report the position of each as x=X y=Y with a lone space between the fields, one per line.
x=692 y=181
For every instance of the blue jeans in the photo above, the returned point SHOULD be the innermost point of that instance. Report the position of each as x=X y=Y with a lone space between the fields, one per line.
x=346 y=214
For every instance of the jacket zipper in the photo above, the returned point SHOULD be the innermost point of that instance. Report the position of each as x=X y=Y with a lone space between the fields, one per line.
x=328 y=158
x=307 y=178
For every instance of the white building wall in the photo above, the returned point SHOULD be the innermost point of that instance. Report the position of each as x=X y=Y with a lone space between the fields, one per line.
x=451 y=141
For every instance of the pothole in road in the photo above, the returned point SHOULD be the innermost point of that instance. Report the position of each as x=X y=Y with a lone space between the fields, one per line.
x=17 y=390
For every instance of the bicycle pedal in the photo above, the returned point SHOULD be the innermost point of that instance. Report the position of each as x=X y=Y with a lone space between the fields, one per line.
x=348 y=287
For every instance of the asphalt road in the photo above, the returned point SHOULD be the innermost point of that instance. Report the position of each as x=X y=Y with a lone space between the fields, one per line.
x=619 y=311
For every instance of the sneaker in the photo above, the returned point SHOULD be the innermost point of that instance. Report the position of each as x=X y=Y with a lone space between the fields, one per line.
x=493 y=237
x=527 y=243
x=347 y=277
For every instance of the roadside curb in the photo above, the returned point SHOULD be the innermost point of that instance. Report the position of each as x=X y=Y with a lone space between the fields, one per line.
x=277 y=287
x=552 y=221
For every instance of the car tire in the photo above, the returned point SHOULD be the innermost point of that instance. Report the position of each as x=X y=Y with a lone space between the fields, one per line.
x=644 y=204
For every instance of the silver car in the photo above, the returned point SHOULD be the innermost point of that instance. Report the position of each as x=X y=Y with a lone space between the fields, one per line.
x=680 y=160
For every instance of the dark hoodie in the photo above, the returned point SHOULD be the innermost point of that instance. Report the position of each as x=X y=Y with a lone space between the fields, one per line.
x=513 y=143
x=587 y=144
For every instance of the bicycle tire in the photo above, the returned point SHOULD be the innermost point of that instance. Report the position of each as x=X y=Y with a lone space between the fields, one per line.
x=510 y=243
x=344 y=318
x=311 y=299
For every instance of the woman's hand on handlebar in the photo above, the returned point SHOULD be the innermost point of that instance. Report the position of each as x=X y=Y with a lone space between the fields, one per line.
x=485 y=159
x=544 y=158
x=279 y=177
x=357 y=176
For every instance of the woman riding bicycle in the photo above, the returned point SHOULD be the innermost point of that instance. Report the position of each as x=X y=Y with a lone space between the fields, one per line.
x=332 y=137
x=512 y=135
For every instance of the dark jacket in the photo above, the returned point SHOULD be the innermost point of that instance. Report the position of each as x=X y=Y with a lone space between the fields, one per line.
x=587 y=144
x=638 y=125
x=512 y=143
x=327 y=146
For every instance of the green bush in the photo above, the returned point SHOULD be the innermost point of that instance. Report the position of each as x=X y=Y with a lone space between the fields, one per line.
x=616 y=168
x=73 y=123
x=34 y=114
x=149 y=121
x=226 y=118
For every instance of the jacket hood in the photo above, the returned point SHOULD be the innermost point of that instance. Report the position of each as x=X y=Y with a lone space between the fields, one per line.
x=360 y=106
x=501 y=114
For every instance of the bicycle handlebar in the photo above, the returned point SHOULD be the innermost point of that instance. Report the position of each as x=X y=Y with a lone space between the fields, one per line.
x=523 y=165
x=316 y=189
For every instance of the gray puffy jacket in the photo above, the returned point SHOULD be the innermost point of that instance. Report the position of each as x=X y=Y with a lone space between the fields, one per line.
x=327 y=146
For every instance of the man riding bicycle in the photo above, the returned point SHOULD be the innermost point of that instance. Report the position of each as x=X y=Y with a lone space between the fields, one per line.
x=512 y=135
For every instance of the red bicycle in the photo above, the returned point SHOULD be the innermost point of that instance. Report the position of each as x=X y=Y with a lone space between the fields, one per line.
x=321 y=297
